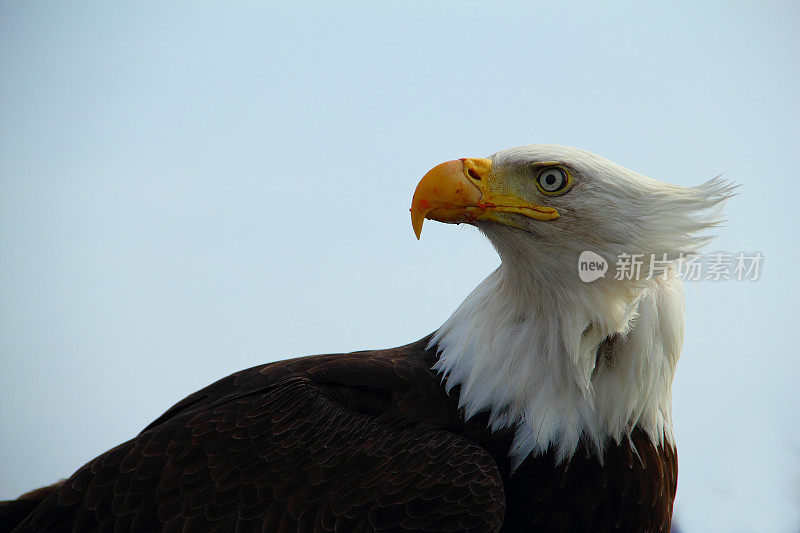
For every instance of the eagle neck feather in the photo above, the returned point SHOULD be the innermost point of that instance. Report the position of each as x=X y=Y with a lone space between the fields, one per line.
x=525 y=350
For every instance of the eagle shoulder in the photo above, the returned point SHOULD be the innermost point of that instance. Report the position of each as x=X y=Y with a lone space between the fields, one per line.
x=344 y=441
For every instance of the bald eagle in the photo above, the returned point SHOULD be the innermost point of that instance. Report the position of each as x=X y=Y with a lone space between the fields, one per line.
x=542 y=404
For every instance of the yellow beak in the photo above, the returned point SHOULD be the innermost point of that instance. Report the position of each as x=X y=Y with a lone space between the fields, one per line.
x=463 y=191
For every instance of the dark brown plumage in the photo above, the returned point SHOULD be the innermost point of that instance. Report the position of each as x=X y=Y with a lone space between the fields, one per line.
x=367 y=441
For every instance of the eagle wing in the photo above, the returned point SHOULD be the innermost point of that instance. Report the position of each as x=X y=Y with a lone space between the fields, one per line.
x=313 y=444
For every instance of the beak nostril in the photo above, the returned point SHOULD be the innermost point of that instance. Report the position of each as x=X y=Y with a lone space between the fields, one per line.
x=474 y=174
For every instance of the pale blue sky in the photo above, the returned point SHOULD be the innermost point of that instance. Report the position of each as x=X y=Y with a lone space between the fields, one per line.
x=189 y=189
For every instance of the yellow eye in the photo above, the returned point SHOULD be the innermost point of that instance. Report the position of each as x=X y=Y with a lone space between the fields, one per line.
x=553 y=181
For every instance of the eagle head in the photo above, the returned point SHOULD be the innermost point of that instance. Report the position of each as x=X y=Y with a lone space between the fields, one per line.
x=541 y=206
x=524 y=345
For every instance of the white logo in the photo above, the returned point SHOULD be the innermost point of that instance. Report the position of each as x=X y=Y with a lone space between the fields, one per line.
x=591 y=266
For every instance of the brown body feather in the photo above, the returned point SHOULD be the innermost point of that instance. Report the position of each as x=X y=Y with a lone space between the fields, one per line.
x=368 y=441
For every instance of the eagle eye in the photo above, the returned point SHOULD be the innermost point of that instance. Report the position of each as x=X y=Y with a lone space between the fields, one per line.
x=553 y=181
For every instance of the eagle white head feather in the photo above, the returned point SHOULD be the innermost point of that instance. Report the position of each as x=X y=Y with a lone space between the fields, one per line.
x=561 y=359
